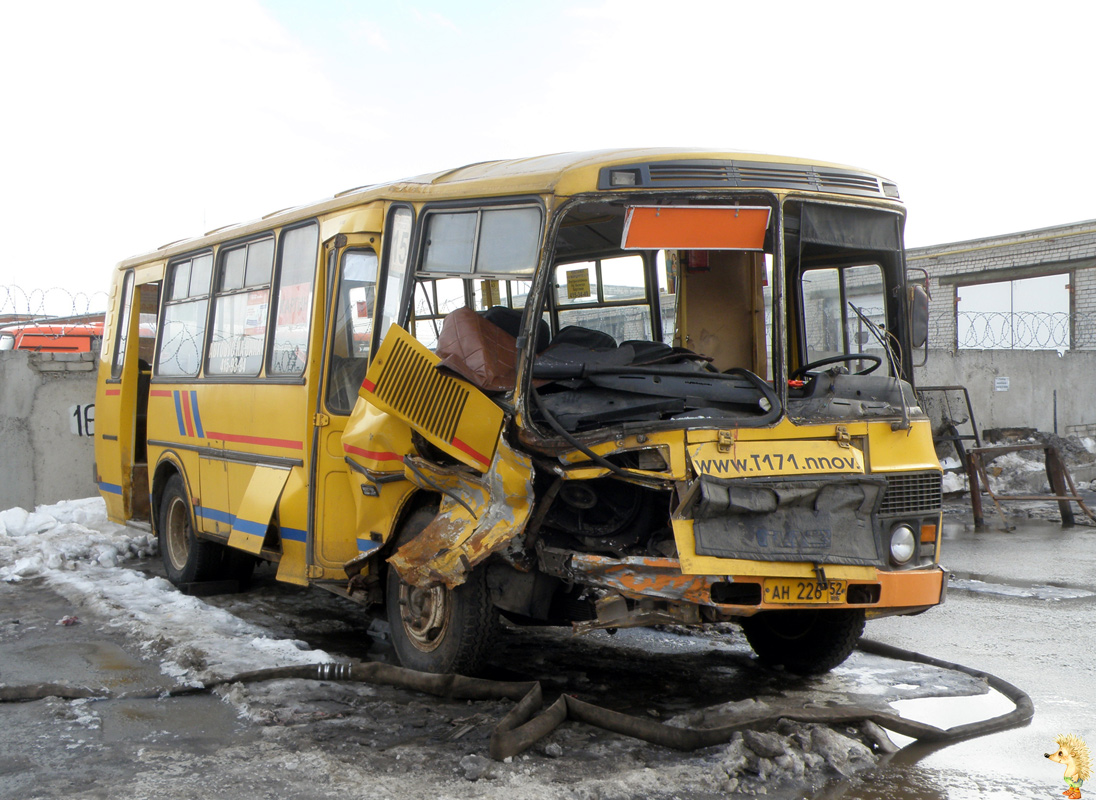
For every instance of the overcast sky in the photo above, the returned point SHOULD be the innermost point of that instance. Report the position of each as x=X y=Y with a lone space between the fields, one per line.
x=127 y=125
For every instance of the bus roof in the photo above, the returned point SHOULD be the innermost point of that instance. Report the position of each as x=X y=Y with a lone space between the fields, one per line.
x=566 y=174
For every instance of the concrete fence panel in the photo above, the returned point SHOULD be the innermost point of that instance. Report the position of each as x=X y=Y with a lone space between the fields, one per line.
x=47 y=421
x=1021 y=388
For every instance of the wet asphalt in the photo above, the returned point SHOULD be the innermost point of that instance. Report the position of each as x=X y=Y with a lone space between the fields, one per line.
x=1020 y=608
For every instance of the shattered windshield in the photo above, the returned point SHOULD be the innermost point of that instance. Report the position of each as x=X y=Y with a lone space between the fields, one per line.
x=656 y=318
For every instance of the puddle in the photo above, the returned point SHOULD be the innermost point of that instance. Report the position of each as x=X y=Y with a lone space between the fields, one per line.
x=947 y=712
x=196 y=719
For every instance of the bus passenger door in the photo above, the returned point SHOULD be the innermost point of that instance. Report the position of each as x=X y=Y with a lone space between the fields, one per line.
x=122 y=401
x=349 y=337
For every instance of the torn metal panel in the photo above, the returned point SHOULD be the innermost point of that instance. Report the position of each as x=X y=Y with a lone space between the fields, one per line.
x=635 y=577
x=613 y=612
x=477 y=517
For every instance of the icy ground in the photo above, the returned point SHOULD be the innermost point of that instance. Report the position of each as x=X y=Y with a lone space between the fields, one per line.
x=383 y=742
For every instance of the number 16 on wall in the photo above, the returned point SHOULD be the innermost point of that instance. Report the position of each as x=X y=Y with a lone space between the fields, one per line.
x=82 y=420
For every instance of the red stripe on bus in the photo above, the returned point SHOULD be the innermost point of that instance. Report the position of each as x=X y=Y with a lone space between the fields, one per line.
x=358 y=451
x=259 y=440
x=457 y=443
x=160 y=393
x=112 y=392
x=186 y=414
x=368 y=385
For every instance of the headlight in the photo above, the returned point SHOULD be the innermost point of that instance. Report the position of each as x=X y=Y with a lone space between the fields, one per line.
x=903 y=544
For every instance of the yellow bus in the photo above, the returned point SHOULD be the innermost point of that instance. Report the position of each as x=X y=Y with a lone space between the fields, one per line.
x=602 y=389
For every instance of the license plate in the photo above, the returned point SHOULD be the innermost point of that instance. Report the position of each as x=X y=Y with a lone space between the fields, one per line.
x=804 y=590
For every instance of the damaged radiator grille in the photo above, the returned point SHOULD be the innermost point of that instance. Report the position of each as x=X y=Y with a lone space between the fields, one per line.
x=748 y=174
x=912 y=493
x=412 y=386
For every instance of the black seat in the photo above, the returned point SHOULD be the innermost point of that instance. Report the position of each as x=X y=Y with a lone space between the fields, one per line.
x=509 y=320
x=585 y=337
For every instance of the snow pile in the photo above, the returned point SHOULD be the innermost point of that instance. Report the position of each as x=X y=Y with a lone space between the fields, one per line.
x=61 y=536
x=79 y=552
x=954 y=482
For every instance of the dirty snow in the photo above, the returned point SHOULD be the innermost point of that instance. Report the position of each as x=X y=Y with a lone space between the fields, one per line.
x=80 y=553
x=1038 y=592
x=84 y=557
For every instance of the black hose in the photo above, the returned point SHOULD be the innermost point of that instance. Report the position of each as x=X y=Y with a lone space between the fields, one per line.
x=528 y=722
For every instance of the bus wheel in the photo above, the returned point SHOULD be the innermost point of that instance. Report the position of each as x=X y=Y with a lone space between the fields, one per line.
x=438 y=629
x=187 y=559
x=807 y=642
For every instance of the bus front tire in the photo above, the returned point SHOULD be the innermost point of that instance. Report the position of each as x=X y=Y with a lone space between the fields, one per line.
x=187 y=559
x=438 y=629
x=806 y=642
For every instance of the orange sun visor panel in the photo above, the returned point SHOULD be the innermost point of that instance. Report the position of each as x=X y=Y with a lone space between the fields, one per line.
x=450 y=413
x=696 y=227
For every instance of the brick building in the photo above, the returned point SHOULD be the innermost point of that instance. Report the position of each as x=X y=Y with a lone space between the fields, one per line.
x=1066 y=250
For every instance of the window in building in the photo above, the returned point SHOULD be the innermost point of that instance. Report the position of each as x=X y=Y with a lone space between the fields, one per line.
x=1024 y=314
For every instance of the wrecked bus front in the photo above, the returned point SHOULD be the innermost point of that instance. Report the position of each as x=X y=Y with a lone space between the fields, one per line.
x=666 y=392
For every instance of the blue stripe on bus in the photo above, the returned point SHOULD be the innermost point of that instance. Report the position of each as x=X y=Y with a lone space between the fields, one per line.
x=112 y=488
x=246 y=525
x=250 y=527
x=179 y=412
x=197 y=416
x=367 y=545
x=217 y=516
x=294 y=535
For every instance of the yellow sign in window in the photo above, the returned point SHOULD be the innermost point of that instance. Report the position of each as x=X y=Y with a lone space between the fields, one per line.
x=578 y=283
x=490 y=295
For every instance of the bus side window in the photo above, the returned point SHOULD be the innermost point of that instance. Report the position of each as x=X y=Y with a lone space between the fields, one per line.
x=186 y=299
x=297 y=270
x=607 y=295
x=434 y=299
x=149 y=300
x=353 y=329
x=123 y=327
x=238 y=333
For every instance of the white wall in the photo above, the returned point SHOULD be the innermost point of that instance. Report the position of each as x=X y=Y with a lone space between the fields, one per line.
x=1033 y=378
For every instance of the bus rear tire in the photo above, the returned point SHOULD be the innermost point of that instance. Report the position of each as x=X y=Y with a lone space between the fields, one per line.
x=187 y=559
x=806 y=642
x=438 y=629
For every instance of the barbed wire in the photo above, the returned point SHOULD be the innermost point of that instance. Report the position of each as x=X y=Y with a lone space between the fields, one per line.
x=54 y=302
x=1021 y=330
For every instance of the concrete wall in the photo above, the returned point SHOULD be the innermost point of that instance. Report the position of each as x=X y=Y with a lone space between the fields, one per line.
x=46 y=447
x=1033 y=378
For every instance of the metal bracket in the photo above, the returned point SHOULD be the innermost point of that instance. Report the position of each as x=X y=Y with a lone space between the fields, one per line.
x=843 y=439
x=725 y=441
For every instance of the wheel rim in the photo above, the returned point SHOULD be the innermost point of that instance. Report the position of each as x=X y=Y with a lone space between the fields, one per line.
x=177 y=533
x=425 y=614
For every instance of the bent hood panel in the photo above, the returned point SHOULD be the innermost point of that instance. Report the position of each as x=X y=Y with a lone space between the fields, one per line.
x=450 y=413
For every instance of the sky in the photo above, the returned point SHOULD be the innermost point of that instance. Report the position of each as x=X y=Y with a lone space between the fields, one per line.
x=128 y=125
